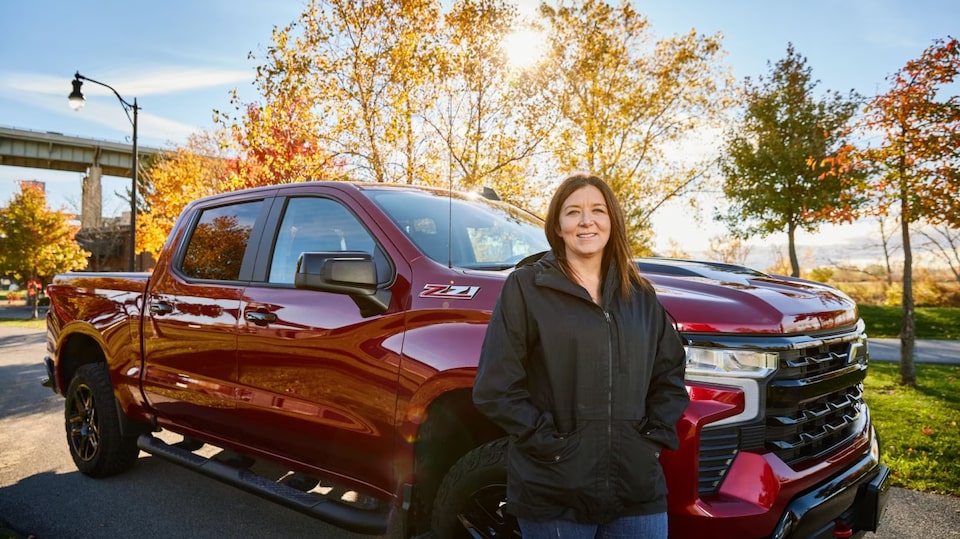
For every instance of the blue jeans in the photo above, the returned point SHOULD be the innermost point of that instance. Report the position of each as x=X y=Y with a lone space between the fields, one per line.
x=636 y=527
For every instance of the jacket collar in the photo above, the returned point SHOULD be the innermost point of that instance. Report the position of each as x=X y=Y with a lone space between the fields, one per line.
x=550 y=275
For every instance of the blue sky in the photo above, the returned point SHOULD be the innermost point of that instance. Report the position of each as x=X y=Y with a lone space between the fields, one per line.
x=181 y=58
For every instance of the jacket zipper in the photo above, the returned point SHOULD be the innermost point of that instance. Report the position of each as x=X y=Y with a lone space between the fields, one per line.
x=606 y=479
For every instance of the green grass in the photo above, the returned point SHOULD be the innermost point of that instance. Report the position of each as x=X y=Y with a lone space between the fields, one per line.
x=918 y=427
x=40 y=323
x=932 y=322
x=7 y=321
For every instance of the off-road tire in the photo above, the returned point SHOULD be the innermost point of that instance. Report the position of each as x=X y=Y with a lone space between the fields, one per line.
x=474 y=491
x=96 y=444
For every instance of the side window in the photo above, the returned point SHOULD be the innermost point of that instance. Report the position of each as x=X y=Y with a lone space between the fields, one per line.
x=219 y=240
x=312 y=224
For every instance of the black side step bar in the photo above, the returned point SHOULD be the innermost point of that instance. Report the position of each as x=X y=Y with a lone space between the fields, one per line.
x=372 y=522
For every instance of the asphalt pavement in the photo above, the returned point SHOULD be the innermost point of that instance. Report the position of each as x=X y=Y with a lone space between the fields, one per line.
x=18 y=310
x=924 y=351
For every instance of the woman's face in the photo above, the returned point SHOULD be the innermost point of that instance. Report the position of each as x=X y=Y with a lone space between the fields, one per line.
x=584 y=223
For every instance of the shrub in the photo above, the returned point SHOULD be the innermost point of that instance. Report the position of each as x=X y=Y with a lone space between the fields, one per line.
x=821 y=274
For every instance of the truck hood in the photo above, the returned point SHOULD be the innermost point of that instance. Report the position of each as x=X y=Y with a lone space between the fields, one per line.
x=707 y=297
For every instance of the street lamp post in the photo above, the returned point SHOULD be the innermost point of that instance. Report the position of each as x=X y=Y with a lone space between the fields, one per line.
x=76 y=103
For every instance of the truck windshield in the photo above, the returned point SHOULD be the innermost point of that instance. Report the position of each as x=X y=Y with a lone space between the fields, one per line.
x=462 y=230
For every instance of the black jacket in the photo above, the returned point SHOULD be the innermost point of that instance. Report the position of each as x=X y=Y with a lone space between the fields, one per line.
x=589 y=395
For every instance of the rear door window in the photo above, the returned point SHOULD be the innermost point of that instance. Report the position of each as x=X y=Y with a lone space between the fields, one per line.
x=219 y=242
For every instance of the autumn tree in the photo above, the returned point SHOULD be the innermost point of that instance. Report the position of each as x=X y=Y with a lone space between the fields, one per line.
x=914 y=163
x=766 y=166
x=36 y=242
x=626 y=101
x=487 y=118
x=391 y=91
x=278 y=139
x=177 y=177
x=371 y=67
x=415 y=57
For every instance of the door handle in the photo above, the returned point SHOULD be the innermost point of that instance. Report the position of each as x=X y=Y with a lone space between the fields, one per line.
x=260 y=318
x=161 y=308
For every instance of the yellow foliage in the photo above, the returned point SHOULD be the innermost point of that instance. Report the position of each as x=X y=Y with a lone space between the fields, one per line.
x=402 y=92
x=625 y=99
x=36 y=242
x=177 y=178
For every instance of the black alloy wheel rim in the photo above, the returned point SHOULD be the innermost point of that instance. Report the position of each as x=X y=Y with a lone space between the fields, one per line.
x=484 y=515
x=83 y=424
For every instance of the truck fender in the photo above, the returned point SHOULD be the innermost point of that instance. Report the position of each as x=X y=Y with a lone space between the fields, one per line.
x=80 y=343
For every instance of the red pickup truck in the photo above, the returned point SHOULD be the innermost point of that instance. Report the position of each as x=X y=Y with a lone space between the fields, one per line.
x=316 y=344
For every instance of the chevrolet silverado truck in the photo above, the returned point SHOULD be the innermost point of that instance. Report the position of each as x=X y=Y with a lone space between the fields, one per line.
x=316 y=344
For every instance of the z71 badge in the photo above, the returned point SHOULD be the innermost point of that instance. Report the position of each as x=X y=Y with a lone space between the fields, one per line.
x=449 y=291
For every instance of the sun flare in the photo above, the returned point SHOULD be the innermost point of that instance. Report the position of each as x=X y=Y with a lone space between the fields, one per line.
x=524 y=47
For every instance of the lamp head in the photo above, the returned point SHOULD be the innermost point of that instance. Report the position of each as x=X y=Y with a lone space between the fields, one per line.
x=76 y=96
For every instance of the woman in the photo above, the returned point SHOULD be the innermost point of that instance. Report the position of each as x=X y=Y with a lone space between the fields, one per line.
x=581 y=367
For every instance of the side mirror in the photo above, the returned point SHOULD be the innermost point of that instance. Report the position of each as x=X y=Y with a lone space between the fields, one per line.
x=343 y=272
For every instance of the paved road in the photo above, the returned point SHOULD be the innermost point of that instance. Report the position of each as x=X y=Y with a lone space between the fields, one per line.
x=41 y=493
x=924 y=351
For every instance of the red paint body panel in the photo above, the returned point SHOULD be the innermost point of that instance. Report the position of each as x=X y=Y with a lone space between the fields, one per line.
x=319 y=373
x=754 y=306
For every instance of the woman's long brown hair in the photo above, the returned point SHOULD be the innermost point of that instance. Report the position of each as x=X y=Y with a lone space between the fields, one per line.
x=617 y=247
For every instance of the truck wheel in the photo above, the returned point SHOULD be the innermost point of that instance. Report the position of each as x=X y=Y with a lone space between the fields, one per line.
x=93 y=429
x=473 y=494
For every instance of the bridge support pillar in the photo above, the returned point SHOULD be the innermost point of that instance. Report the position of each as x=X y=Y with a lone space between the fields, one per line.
x=91 y=205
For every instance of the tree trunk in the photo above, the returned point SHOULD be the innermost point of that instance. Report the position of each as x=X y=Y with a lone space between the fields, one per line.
x=908 y=333
x=792 y=249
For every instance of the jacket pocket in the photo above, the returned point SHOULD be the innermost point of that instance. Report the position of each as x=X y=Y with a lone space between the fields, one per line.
x=550 y=448
x=547 y=475
x=638 y=462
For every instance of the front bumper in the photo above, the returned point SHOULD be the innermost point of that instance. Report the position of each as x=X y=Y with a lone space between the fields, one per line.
x=846 y=506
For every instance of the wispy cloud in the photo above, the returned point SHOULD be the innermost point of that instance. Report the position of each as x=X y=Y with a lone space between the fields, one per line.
x=158 y=81
x=48 y=93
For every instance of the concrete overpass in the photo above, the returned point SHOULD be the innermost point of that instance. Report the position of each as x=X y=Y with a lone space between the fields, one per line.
x=35 y=149
x=108 y=241
x=54 y=151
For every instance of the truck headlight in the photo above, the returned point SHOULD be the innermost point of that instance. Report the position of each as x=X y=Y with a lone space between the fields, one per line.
x=730 y=362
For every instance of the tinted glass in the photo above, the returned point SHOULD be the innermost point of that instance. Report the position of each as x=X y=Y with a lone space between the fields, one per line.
x=219 y=241
x=312 y=224
x=464 y=231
